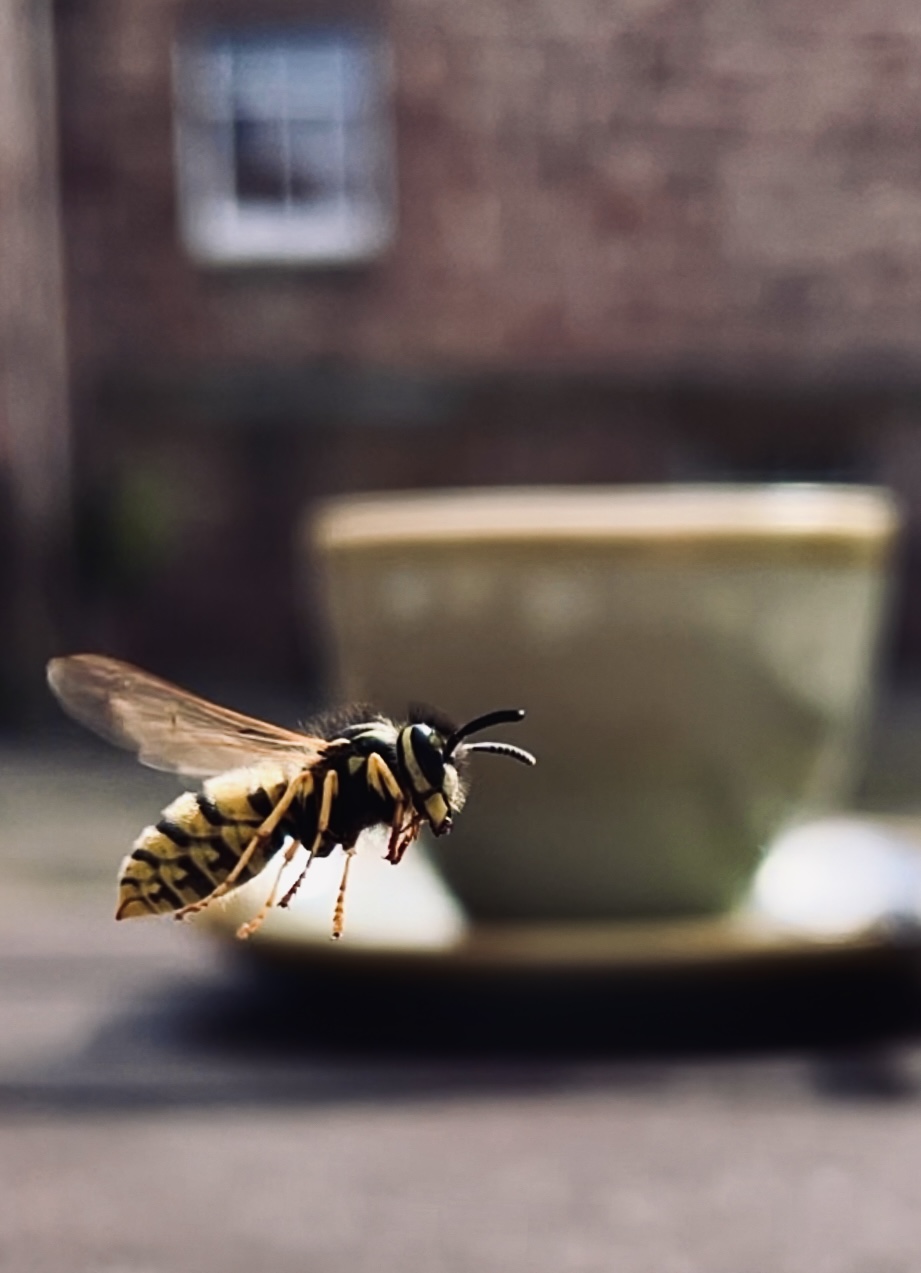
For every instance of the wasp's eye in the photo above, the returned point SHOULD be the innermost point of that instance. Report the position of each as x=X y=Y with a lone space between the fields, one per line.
x=423 y=757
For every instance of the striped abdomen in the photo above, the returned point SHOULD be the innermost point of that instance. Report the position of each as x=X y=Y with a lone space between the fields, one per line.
x=199 y=840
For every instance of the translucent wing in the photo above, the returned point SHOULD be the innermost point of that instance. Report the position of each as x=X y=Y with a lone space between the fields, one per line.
x=166 y=726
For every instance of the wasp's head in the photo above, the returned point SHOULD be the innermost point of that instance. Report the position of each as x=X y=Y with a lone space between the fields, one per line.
x=431 y=757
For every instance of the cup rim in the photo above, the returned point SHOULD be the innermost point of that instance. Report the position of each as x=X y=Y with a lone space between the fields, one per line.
x=678 y=512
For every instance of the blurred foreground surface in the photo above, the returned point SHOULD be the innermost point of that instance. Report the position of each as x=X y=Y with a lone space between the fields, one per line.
x=162 y=1108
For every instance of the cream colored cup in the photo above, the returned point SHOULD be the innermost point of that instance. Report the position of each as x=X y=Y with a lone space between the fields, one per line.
x=696 y=663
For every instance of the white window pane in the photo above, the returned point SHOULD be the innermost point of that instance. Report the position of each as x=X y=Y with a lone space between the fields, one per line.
x=361 y=79
x=314 y=79
x=260 y=160
x=316 y=163
x=259 y=79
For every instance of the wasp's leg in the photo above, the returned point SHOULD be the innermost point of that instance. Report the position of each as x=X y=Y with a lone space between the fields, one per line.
x=404 y=838
x=339 y=912
x=322 y=830
x=247 y=929
x=330 y=791
x=289 y=896
x=381 y=778
x=403 y=830
x=262 y=836
x=396 y=831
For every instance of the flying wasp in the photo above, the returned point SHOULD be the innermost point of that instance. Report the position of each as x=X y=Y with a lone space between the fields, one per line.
x=268 y=790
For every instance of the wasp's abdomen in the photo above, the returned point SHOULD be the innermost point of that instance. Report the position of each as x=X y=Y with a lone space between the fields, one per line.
x=198 y=841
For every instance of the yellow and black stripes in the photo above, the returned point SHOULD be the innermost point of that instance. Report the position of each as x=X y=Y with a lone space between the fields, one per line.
x=206 y=843
x=199 y=841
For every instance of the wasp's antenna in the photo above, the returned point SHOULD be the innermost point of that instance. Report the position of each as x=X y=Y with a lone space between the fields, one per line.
x=505 y=716
x=502 y=749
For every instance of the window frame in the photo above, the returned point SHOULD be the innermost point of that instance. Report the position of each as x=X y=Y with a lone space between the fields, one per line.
x=218 y=226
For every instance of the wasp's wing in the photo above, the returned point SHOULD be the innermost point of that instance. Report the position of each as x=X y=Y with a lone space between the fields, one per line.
x=167 y=727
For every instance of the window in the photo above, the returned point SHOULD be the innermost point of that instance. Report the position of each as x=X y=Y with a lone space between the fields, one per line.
x=284 y=150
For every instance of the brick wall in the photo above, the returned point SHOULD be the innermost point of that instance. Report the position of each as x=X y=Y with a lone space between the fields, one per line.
x=644 y=184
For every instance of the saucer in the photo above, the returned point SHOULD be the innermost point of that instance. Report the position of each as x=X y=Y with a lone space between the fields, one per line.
x=827 y=888
x=688 y=987
x=532 y=950
x=411 y=973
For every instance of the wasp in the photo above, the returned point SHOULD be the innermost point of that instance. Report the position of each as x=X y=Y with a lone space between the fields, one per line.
x=268 y=790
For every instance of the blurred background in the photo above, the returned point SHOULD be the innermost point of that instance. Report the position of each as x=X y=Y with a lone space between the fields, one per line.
x=254 y=256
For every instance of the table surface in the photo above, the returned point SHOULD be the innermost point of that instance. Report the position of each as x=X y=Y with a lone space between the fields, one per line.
x=137 y=1136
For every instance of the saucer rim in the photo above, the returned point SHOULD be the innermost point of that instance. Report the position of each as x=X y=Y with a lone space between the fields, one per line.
x=722 y=941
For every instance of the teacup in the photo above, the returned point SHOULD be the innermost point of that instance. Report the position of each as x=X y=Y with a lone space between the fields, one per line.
x=696 y=663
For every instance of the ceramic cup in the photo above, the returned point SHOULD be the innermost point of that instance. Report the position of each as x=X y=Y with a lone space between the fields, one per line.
x=696 y=664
